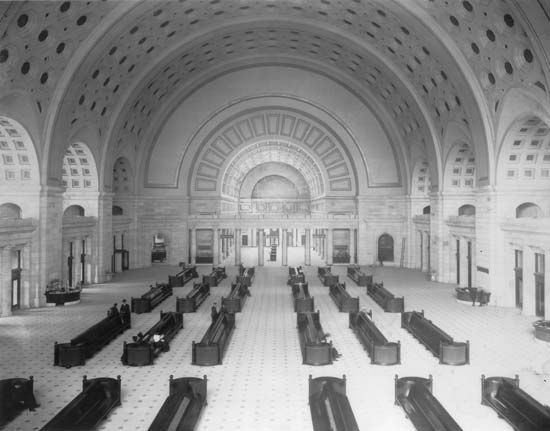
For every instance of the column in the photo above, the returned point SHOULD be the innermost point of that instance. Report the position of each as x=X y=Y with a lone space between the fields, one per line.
x=284 y=250
x=104 y=234
x=528 y=282
x=237 y=241
x=330 y=246
x=193 y=243
x=546 y=284
x=260 y=247
x=325 y=248
x=216 y=247
x=352 y=246
x=5 y=280
x=419 y=250
x=77 y=247
x=26 y=277
x=307 y=247
x=463 y=262
x=425 y=251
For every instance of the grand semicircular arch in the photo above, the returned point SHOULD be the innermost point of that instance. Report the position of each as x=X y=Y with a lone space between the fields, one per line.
x=258 y=136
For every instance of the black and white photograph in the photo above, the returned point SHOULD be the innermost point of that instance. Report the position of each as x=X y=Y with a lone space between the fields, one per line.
x=275 y=215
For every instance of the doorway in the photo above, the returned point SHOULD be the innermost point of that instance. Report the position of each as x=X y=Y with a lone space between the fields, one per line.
x=385 y=248
x=340 y=244
x=205 y=246
x=539 y=284
x=457 y=262
x=16 y=282
x=518 y=269
x=70 y=265
x=469 y=261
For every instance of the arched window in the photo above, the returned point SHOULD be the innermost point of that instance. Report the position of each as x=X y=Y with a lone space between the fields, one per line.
x=528 y=210
x=525 y=155
x=460 y=168
x=421 y=179
x=426 y=210
x=467 y=210
x=79 y=173
x=385 y=248
x=10 y=212
x=18 y=160
x=117 y=210
x=74 y=211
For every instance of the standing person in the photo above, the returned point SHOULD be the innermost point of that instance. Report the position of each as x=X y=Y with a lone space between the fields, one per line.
x=125 y=312
x=214 y=312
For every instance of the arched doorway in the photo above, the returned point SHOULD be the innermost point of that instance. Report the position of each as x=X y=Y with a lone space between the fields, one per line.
x=385 y=248
x=79 y=177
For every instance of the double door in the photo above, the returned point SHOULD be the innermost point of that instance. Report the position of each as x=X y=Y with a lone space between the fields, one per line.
x=518 y=278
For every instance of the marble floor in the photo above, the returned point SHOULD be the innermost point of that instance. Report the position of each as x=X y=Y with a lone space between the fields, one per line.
x=262 y=384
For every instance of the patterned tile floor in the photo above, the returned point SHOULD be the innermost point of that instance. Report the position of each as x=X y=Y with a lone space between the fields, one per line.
x=262 y=384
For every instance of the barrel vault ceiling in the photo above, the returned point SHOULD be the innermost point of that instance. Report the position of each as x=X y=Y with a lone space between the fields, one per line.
x=116 y=65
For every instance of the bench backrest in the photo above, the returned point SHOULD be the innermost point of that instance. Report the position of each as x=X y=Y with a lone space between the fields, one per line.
x=430 y=334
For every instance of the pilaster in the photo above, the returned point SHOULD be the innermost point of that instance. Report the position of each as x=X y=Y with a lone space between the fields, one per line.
x=5 y=282
x=104 y=248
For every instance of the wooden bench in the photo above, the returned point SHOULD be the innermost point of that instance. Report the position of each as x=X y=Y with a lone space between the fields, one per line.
x=152 y=298
x=98 y=398
x=385 y=298
x=514 y=405
x=215 y=277
x=182 y=408
x=210 y=350
x=302 y=300
x=90 y=341
x=326 y=277
x=381 y=351
x=343 y=299
x=435 y=339
x=315 y=349
x=246 y=276
x=16 y=394
x=145 y=348
x=414 y=395
x=329 y=405
x=187 y=273
x=362 y=279
x=236 y=299
x=295 y=275
x=193 y=299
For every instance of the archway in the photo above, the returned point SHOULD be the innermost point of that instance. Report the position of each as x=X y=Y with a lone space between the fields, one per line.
x=524 y=165
x=19 y=197
x=80 y=179
x=123 y=238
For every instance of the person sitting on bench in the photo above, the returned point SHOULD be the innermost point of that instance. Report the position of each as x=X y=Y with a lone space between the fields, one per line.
x=113 y=311
x=125 y=312
x=214 y=312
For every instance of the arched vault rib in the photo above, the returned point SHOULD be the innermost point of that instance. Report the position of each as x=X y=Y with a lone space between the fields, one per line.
x=269 y=152
x=311 y=142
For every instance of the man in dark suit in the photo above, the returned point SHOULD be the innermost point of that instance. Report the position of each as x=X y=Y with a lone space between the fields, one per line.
x=125 y=312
